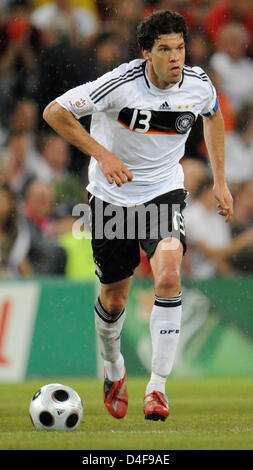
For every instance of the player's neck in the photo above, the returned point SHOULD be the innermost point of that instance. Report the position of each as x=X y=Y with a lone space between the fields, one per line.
x=156 y=80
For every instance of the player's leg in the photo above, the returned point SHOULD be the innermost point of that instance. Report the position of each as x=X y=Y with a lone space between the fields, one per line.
x=165 y=254
x=116 y=259
x=164 y=324
x=109 y=320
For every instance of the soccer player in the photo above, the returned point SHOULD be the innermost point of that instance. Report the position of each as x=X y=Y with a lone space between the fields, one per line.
x=142 y=113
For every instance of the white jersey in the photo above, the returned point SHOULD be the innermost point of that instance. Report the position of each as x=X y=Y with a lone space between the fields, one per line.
x=147 y=127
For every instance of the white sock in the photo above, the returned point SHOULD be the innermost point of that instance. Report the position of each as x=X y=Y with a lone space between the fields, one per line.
x=157 y=382
x=108 y=329
x=115 y=370
x=165 y=323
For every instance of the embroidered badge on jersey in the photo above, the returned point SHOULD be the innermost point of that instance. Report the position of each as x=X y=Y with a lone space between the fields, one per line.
x=156 y=122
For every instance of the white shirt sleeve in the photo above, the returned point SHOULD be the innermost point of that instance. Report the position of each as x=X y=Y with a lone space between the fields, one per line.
x=77 y=101
x=211 y=104
x=91 y=97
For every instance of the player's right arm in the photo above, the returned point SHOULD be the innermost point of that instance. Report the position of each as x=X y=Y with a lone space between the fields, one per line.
x=65 y=124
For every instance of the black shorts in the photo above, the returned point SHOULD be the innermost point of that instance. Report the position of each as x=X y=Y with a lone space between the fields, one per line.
x=118 y=232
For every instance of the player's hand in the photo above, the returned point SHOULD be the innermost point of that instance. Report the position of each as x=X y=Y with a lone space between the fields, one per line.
x=114 y=170
x=225 y=201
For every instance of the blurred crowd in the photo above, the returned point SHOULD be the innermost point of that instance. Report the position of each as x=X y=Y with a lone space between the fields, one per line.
x=47 y=47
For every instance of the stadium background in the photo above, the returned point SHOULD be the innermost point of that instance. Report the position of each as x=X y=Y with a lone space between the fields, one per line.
x=46 y=301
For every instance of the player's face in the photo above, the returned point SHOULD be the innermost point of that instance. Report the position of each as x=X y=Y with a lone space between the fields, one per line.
x=166 y=60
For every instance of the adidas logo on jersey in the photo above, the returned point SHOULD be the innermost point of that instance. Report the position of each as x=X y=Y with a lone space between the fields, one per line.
x=165 y=105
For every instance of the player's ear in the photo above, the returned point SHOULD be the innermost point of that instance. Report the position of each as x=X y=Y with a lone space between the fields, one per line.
x=146 y=54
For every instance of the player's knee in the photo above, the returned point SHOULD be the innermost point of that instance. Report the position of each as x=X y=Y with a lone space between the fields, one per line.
x=115 y=303
x=167 y=283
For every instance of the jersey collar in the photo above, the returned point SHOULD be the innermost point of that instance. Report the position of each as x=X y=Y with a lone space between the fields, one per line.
x=153 y=89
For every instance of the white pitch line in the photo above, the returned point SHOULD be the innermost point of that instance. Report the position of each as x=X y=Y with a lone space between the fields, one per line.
x=134 y=431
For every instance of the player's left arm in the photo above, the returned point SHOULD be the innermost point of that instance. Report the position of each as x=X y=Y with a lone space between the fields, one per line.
x=214 y=139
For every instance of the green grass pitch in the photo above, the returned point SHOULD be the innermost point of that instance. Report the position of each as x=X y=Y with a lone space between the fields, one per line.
x=207 y=414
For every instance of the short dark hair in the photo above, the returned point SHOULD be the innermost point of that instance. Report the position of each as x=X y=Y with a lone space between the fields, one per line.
x=161 y=22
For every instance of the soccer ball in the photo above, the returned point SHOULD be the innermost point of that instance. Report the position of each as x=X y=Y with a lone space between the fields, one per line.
x=56 y=407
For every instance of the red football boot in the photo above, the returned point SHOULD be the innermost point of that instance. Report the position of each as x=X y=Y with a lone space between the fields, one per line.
x=156 y=406
x=116 y=397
